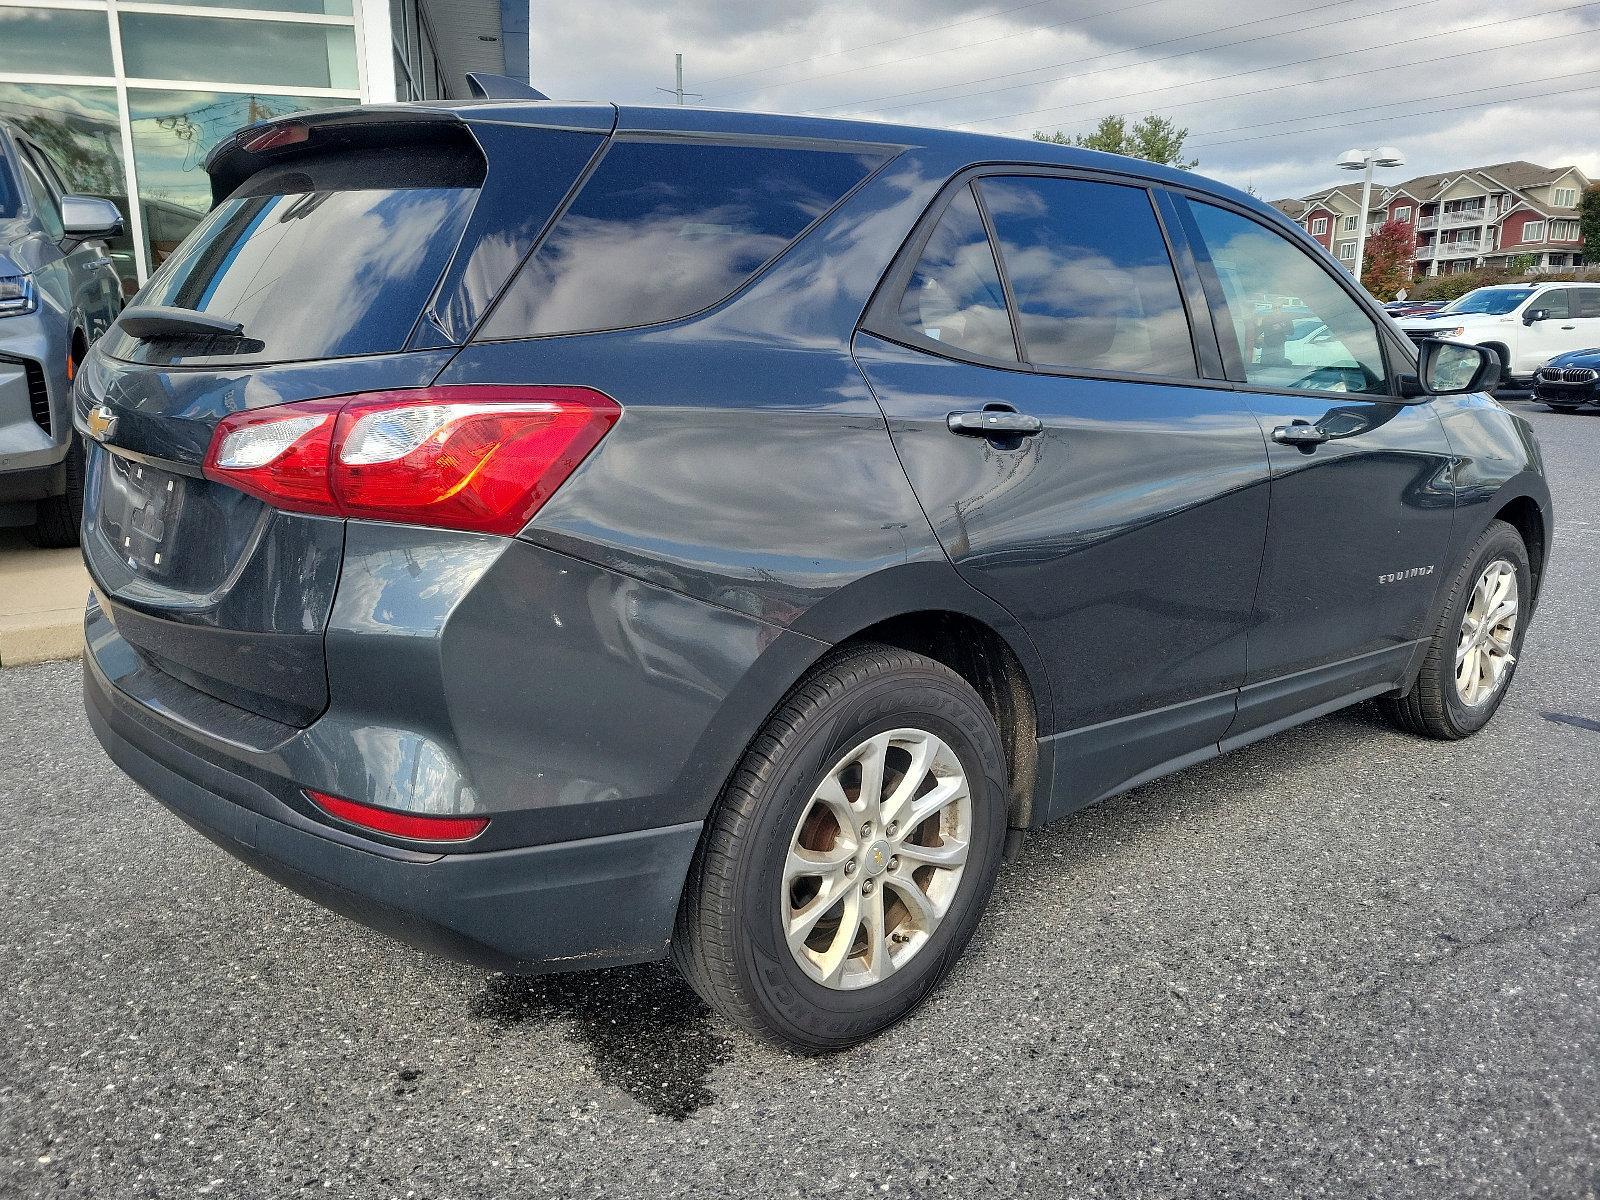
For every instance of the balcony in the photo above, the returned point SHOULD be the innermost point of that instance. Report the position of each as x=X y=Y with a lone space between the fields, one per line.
x=1426 y=253
x=1464 y=216
x=1460 y=248
x=1431 y=222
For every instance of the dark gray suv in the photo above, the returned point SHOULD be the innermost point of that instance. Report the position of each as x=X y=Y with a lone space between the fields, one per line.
x=568 y=535
x=58 y=292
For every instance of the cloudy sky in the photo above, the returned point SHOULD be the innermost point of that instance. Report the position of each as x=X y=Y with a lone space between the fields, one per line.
x=1272 y=91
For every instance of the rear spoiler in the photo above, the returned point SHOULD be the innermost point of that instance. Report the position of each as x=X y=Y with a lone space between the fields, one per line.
x=232 y=160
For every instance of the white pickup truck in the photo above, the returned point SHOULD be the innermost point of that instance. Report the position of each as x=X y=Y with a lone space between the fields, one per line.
x=1526 y=324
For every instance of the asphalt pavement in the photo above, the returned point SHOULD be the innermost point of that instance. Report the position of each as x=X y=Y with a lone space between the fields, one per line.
x=1342 y=962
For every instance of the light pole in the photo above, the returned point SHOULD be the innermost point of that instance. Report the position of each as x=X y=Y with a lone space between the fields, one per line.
x=1365 y=160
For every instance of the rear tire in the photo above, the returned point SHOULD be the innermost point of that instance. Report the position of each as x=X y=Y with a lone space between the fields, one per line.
x=1440 y=704
x=780 y=959
x=1562 y=408
x=59 y=517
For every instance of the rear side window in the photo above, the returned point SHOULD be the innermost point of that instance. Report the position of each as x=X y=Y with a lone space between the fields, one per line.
x=320 y=258
x=954 y=296
x=1094 y=286
x=664 y=229
x=1588 y=302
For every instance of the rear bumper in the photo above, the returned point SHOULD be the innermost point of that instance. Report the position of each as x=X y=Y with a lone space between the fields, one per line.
x=598 y=902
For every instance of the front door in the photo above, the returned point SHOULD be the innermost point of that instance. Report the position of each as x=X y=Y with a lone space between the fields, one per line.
x=1362 y=498
x=1074 y=462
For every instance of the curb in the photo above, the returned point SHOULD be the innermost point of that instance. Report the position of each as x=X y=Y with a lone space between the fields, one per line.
x=41 y=637
x=42 y=595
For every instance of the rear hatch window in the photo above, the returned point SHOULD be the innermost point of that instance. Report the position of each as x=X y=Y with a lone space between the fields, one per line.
x=322 y=257
x=663 y=229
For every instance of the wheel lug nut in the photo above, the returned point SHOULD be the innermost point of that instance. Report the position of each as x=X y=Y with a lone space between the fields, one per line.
x=866 y=829
x=894 y=862
x=894 y=828
x=866 y=888
x=850 y=867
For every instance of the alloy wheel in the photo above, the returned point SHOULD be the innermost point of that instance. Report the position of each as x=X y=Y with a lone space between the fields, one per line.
x=876 y=858
x=1488 y=632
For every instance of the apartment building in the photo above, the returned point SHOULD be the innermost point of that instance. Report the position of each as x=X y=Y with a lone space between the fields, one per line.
x=1476 y=217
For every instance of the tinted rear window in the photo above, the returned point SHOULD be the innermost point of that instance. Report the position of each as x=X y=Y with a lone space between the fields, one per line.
x=665 y=229
x=318 y=261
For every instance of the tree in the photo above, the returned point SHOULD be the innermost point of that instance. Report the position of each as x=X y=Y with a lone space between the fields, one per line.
x=1153 y=138
x=1386 y=265
x=1589 y=223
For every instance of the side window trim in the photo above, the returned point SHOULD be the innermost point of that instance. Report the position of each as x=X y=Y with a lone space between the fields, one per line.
x=1395 y=364
x=1203 y=330
x=878 y=317
x=999 y=265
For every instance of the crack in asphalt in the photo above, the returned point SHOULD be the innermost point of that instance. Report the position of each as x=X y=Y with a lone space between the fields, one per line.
x=1455 y=947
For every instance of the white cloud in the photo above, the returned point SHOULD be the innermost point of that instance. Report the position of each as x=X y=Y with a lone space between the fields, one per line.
x=1252 y=80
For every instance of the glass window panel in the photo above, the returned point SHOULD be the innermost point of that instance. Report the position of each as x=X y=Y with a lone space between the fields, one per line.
x=954 y=296
x=172 y=134
x=45 y=41
x=77 y=129
x=665 y=229
x=45 y=210
x=1094 y=286
x=162 y=46
x=326 y=8
x=1297 y=329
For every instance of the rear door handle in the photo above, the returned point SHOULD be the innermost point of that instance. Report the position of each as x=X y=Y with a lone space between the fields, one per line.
x=992 y=422
x=1300 y=434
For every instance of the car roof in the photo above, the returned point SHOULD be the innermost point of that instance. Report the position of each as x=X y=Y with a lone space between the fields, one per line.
x=974 y=147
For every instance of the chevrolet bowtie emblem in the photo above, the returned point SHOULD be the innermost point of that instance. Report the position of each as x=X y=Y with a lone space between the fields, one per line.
x=102 y=422
x=877 y=858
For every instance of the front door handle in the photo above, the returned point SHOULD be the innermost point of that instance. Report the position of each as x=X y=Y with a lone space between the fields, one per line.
x=1300 y=434
x=994 y=422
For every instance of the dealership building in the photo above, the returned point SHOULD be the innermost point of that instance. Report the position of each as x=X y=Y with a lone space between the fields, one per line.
x=129 y=97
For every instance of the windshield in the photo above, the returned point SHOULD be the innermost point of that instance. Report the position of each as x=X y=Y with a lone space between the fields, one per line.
x=1495 y=301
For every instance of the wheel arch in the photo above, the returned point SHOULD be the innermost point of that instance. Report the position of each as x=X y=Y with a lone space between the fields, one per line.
x=925 y=607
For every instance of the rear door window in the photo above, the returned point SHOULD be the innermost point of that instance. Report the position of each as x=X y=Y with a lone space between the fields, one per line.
x=954 y=296
x=1094 y=286
x=319 y=258
x=664 y=229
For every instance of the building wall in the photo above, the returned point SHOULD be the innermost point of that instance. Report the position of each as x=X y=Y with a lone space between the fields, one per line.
x=129 y=99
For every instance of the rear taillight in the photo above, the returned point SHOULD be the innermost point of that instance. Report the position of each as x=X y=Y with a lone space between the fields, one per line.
x=397 y=824
x=478 y=457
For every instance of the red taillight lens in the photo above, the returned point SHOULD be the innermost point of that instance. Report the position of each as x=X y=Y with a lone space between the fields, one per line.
x=400 y=825
x=477 y=457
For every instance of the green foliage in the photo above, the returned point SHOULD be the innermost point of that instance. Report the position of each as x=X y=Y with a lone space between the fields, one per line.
x=1448 y=287
x=1521 y=264
x=1152 y=138
x=1589 y=222
x=1386 y=264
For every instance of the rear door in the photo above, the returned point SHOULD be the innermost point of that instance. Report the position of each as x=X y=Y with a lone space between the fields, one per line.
x=1362 y=497
x=353 y=259
x=1049 y=396
x=1560 y=330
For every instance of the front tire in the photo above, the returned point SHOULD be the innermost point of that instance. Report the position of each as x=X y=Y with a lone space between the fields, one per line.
x=850 y=858
x=1473 y=653
x=56 y=525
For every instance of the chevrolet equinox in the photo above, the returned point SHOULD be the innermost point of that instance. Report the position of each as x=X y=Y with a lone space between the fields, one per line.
x=563 y=535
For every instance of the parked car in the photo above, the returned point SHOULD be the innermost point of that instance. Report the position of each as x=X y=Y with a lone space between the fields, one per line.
x=1412 y=308
x=58 y=292
x=606 y=533
x=1523 y=324
x=1569 y=381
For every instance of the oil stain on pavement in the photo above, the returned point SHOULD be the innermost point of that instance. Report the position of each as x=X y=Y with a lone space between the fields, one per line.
x=645 y=1030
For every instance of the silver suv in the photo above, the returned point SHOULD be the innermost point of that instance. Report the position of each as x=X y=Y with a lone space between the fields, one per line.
x=58 y=292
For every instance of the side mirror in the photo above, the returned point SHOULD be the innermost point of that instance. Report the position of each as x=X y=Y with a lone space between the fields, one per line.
x=1455 y=368
x=90 y=217
x=1535 y=314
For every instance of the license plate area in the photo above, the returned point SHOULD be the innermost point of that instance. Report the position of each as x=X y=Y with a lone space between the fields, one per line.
x=141 y=508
